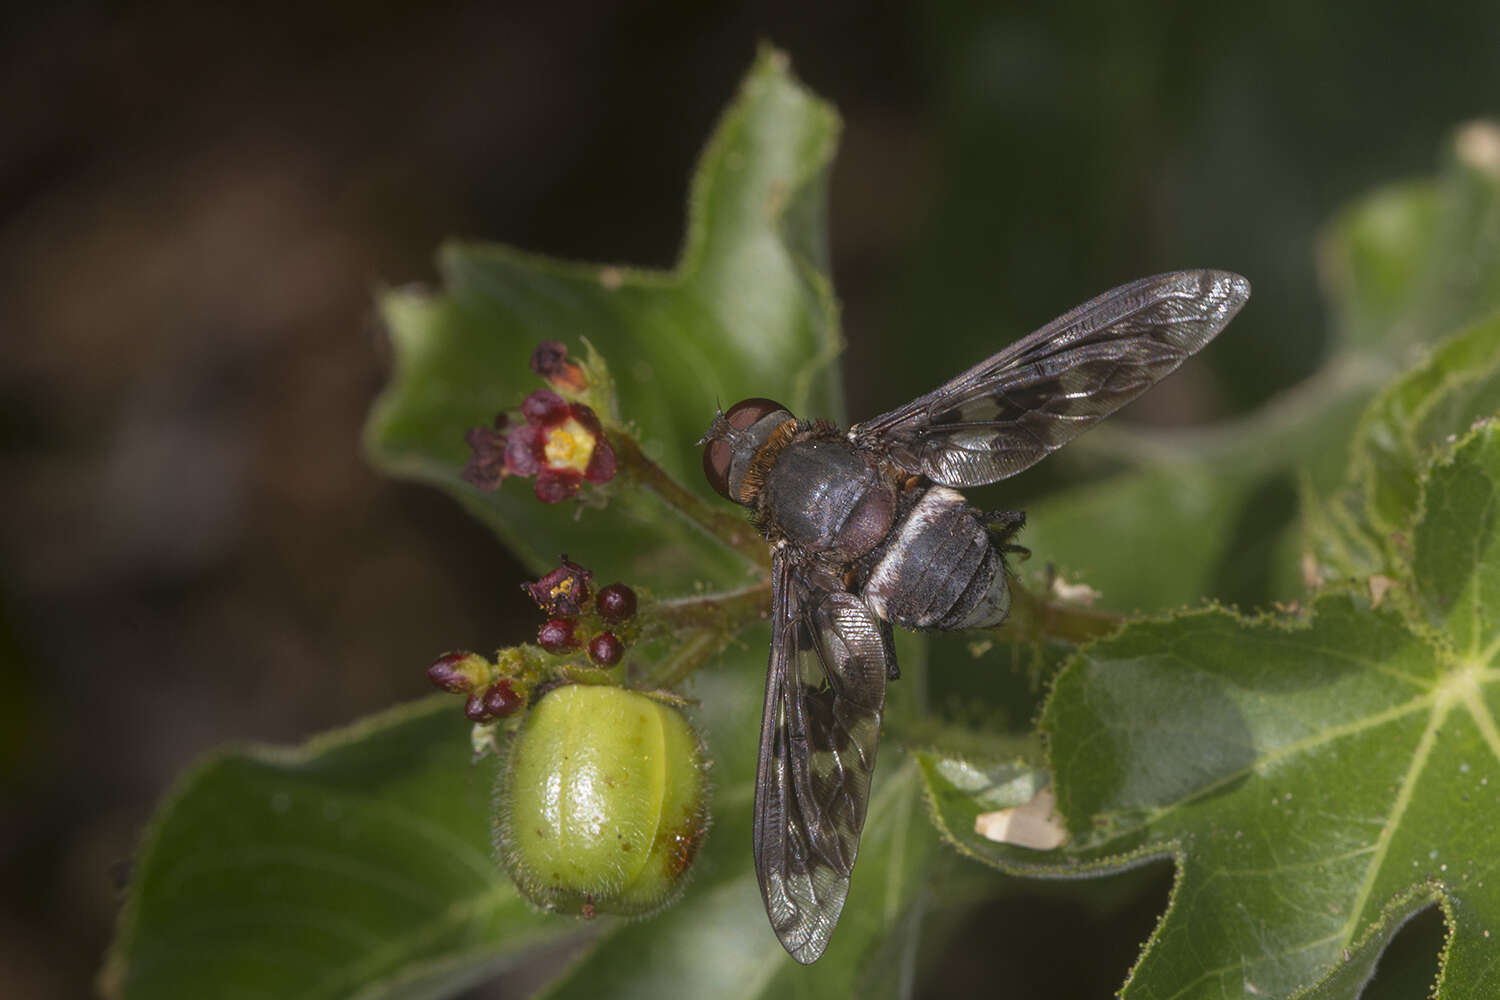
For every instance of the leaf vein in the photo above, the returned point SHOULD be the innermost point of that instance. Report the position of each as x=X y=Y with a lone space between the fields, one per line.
x=1398 y=809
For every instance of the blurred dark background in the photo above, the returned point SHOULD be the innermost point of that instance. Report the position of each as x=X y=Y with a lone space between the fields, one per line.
x=197 y=204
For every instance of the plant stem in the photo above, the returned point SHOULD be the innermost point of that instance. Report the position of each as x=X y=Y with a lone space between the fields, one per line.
x=729 y=612
x=701 y=627
x=1034 y=617
x=692 y=650
x=735 y=532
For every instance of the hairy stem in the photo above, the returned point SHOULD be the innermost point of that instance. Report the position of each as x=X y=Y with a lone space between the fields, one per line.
x=728 y=612
x=701 y=627
x=1034 y=617
x=733 y=531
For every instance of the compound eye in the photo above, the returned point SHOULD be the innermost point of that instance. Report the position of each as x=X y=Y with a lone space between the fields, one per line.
x=717 y=454
x=748 y=411
x=716 y=467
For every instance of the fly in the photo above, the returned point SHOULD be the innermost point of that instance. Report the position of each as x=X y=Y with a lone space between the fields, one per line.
x=868 y=530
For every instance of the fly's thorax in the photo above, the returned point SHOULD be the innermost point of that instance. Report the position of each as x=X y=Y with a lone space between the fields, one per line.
x=938 y=568
x=827 y=496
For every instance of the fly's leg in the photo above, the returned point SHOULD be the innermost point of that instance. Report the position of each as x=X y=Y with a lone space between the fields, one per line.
x=1004 y=525
x=892 y=672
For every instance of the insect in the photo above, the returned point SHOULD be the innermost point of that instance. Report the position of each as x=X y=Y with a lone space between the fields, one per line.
x=868 y=530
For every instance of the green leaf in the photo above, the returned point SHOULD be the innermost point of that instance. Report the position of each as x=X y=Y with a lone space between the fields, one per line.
x=1356 y=530
x=360 y=862
x=747 y=312
x=1316 y=781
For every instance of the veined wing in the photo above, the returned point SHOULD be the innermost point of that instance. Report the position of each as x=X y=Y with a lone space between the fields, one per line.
x=1013 y=409
x=825 y=691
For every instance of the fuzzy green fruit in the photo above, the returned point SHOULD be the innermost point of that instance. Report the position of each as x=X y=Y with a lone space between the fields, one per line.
x=604 y=803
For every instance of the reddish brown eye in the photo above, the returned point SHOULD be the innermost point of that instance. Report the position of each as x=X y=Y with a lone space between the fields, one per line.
x=716 y=467
x=717 y=454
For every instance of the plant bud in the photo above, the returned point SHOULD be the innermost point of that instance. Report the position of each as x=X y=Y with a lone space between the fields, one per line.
x=556 y=636
x=605 y=649
x=501 y=699
x=456 y=671
x=474 y=708
x=616 y=603
x=603 y=804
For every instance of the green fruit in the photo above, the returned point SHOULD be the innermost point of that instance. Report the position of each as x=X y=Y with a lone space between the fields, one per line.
x=604 y=802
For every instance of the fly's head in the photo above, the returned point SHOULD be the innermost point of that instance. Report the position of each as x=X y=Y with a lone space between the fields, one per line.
x=741 y=444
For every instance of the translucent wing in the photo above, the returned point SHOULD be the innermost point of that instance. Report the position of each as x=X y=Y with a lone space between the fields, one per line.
x=825 y=690
x=1012 y=410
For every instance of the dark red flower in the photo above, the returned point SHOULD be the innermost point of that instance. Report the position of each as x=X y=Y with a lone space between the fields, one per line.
x=563 y=592
x=561 y=444
x=550 y=361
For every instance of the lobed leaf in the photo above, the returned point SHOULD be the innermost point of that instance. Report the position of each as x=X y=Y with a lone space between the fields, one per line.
x=747 y=312
x=1356 y=530
x=1315 y=781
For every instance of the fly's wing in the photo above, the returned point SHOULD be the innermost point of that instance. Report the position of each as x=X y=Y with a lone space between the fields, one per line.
x=1012 y=410
x=825 y=690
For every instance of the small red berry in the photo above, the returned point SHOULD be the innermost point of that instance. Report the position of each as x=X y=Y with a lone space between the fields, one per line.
x=616 y=602
x=606 y=650
x=501 y=699
x=556 y=636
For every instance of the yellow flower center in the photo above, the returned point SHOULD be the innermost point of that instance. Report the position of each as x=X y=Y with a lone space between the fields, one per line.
x=570 y=445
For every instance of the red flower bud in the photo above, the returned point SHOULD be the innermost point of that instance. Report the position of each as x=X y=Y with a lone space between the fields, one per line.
x=445 y=672
x=616 y=603
x=605 y=649
x=501 y=699
x=475 y=710
x=557 y=636
x=550 y=361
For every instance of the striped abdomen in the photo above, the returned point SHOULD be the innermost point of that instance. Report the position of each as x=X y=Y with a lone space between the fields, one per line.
x=938 y=568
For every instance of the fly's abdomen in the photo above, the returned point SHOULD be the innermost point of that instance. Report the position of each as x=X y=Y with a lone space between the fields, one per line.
x=939 y=569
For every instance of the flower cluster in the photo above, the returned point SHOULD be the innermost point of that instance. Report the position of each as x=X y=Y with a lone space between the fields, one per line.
x=578 y=619
x=565 y=595
x=489 y=697
x=560 y=443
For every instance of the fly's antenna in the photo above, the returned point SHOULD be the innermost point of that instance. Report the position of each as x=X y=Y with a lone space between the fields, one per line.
x=720 y=430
